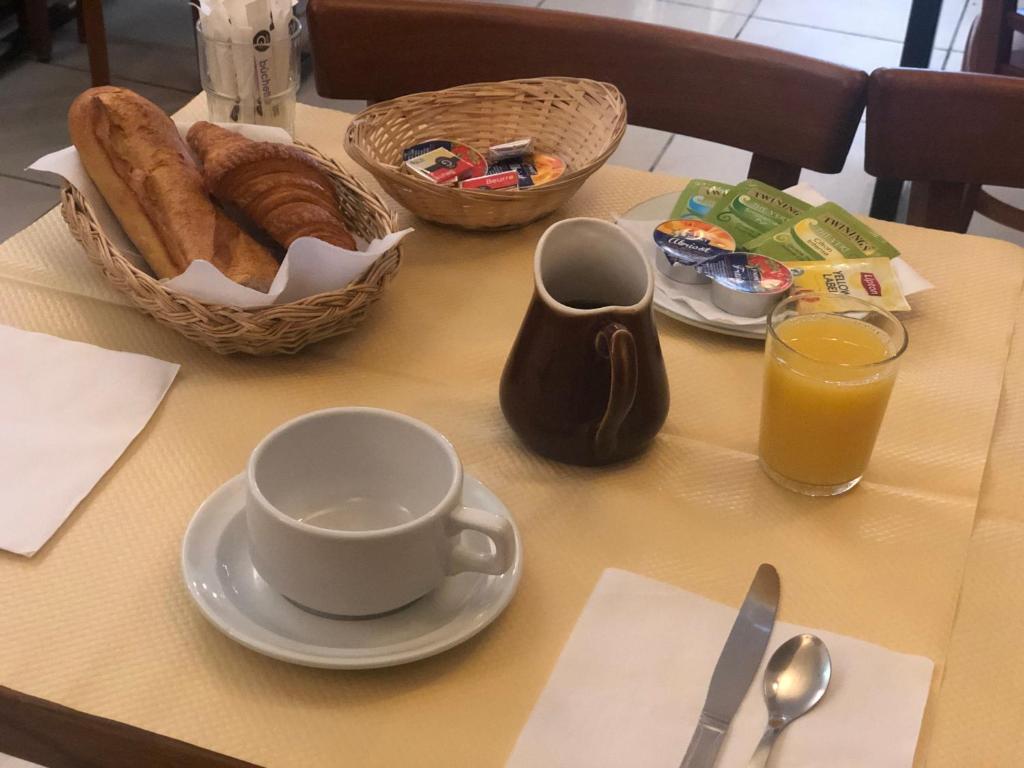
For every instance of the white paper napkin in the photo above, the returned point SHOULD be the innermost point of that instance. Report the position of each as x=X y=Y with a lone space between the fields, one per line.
x=632 y=678
x=68 y=412
x=310 y=266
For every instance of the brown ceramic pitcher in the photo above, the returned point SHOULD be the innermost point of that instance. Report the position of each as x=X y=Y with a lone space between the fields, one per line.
x=585 y=381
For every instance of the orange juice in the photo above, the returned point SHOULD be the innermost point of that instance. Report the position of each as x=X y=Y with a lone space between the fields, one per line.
x=827 y=383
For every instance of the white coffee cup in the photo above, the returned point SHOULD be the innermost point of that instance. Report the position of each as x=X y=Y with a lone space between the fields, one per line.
x=358 y=511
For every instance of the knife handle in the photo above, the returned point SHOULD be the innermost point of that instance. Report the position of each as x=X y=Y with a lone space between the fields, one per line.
x=704 y=745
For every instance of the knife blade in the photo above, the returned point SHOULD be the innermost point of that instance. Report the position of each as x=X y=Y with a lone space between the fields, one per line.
x=736 y=667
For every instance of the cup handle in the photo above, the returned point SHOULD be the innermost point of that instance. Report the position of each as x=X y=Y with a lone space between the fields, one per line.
x=495 y=527
x=615 y=341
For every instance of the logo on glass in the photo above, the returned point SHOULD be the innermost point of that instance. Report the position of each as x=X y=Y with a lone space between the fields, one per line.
x=261 y=40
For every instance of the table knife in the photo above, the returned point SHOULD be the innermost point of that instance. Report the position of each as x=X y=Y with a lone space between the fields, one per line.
x=739 y=662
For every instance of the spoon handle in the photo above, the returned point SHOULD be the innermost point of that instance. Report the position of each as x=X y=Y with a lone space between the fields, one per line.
x=764 y=748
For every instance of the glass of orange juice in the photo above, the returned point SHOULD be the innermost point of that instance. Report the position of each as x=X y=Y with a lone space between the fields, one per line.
x=830 y=367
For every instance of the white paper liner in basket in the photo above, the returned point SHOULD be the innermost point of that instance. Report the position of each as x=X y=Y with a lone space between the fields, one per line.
x=310 y=266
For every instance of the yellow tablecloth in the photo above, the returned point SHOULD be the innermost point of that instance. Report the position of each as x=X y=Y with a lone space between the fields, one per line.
x=100 y=619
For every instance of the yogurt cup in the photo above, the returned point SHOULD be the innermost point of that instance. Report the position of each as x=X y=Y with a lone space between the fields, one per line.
x=685 y=244
x=747 y=284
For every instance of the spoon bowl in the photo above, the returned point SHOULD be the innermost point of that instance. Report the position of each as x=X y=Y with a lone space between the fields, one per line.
x=796 y=678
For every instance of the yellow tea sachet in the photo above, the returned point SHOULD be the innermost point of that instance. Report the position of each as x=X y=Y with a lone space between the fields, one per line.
x=872 y=280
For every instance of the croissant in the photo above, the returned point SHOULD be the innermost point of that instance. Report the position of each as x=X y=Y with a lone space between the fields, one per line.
x=279 y=187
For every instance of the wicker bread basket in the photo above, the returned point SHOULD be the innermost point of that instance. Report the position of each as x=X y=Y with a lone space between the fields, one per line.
x=281 y=329
x=580 y=121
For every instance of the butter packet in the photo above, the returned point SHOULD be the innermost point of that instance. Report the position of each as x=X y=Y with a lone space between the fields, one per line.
x=871 y=279
x=752 y=208
x=698 y=198
x=828 y=233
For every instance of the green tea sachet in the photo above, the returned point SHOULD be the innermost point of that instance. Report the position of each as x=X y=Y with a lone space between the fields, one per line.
x=828 y=233
x=698 y=198
x=834 y=254
x=753 y=208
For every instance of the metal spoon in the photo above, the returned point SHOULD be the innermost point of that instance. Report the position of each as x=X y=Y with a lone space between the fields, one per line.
x=795 y=679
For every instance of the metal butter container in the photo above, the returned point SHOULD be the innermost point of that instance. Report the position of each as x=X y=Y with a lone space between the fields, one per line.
x=747 y=284
x=685 y=244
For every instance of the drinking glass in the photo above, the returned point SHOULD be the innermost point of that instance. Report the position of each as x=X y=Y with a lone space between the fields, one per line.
x=830 y=366
x=251 y=82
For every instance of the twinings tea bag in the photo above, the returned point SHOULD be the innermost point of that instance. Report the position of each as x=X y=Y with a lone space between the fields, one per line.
x=698 y=198
x=752 y=208
x=827 y=232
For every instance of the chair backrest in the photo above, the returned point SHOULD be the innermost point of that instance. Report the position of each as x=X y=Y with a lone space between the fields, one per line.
x=990 y=42
x=947 y=133
x=790 y=111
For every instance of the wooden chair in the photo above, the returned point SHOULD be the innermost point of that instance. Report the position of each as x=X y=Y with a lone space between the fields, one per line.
x=790 y=111
x=34 y=18
x=948 y=133
x=990 y=44
x=93 y=33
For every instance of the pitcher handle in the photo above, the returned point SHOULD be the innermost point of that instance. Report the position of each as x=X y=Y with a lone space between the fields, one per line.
x=617 y=342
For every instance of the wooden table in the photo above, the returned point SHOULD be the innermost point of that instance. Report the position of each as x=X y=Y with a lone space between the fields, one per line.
x=922 y=558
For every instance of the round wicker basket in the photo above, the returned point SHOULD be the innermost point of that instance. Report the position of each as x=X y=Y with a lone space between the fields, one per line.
x=280 y=329
x=580 y=121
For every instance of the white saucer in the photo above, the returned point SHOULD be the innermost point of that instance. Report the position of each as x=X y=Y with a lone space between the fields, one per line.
x=660 y=208
x=221 y=579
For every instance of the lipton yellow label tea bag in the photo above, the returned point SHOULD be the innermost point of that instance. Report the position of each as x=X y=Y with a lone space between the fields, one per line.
x=871 y=279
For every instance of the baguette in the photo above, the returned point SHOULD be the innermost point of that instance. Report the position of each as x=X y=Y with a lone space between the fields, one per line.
x=138 y=161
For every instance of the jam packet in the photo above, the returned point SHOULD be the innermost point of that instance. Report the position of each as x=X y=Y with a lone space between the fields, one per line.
x=698 y=198
x=870 y=279
x=752 y=208
x=827 y=232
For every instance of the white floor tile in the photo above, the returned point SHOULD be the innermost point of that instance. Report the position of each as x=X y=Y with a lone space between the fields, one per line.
x=21 y=203
x=307 y=95
x=851 y=187
x=982 y=226
x=640 y=148
x=148 y=42
x=6 y=761
x=696 y=158
x=733 y=6
x=657 y=12
x=955 y=62
x=864 y=53
x=970 y=14
x=877 y=18
x=36 y=98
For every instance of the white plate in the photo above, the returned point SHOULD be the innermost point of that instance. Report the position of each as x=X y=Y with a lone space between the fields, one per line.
x=660 y=208
x=221 y=579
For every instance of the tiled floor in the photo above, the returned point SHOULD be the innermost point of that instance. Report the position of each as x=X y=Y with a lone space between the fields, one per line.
x=151 y=50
